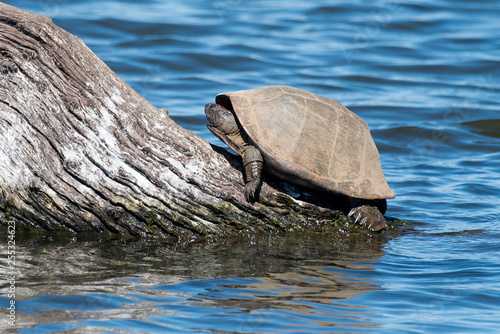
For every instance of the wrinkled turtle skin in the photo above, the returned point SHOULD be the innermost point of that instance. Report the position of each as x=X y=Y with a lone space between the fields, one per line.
x=305 y=139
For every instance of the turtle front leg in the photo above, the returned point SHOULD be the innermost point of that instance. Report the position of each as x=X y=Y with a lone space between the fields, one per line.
x=253 y=162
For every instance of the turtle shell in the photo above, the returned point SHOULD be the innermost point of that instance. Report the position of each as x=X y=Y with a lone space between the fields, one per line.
x=310 y=140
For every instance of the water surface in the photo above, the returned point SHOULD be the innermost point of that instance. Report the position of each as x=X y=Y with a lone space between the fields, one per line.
x=425 y=77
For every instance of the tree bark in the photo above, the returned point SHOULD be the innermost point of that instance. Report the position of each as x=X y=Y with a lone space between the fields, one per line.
x=81 y=151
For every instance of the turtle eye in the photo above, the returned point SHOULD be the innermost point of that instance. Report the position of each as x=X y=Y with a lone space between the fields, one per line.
x=212 y=114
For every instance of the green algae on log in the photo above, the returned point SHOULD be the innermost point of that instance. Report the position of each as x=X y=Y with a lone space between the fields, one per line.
x=82 y=152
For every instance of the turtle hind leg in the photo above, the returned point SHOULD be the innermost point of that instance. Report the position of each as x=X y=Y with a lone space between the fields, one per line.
x=369 y=217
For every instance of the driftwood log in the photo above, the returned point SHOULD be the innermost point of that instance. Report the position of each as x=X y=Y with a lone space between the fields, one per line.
x=81 y=151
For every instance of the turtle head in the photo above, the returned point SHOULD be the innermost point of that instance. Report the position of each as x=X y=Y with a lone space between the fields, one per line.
x=221 y=120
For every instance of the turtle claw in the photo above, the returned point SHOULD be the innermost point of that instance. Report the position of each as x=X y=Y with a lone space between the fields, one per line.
x=369 y=217
x=251 y=191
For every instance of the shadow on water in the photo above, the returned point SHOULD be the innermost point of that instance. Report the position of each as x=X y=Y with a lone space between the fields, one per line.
x=89 y=283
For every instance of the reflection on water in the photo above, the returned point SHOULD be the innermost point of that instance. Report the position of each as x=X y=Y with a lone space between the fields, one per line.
x=81 y=283
x=486 y=127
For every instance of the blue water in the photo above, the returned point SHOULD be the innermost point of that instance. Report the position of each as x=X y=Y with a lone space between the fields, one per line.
x=425 y=77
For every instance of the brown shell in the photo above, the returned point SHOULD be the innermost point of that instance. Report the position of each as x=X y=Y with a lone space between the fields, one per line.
x=310 y=140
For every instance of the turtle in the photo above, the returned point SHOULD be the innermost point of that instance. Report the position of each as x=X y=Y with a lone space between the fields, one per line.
x=307 y=140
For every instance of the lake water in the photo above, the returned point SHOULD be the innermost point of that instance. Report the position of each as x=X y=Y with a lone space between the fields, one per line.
x=425 y=75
